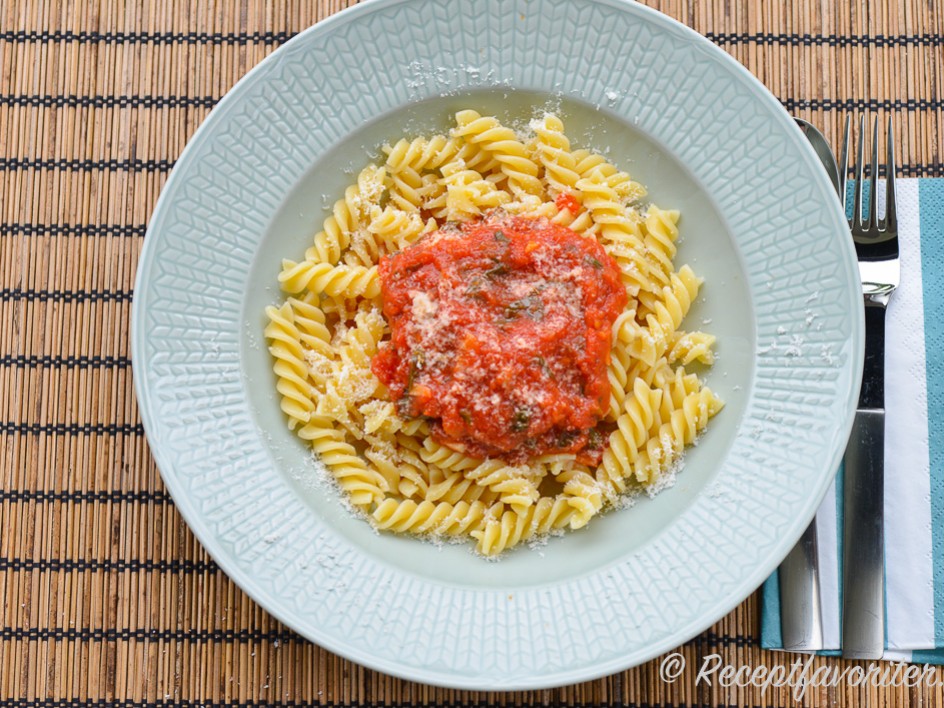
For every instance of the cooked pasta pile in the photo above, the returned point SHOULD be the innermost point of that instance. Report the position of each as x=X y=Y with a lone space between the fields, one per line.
x=324 y=335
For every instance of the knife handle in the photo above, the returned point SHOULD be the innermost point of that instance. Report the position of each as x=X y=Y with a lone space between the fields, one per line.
x=801 y=619
x=863 y=564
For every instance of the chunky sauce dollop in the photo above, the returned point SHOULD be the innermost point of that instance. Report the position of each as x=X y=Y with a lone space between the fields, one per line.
x=500 y=335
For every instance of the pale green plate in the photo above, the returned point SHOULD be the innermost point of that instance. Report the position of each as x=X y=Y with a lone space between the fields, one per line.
x=759 y=221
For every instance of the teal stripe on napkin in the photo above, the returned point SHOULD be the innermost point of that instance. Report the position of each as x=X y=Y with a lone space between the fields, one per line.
x=770 y=636
x=931 y=195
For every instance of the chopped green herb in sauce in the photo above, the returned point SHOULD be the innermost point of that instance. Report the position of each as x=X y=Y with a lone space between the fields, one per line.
x=544 y=366
x=497 y=270
x=521 y=420
x=417 y=362
x=566 y=438
x=530 y=306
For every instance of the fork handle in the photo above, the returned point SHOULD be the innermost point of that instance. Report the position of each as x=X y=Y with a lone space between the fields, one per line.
x=863 y=552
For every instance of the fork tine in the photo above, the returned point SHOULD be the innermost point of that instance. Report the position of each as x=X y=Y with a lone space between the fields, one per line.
x=872 y=219
x=844 y=166
x=891 y=215
x=860 y=172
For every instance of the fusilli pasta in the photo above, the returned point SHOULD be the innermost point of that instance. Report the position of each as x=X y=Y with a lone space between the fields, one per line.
x=325 y=333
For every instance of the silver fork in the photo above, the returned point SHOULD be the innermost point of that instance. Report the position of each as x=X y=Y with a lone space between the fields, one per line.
x=876 y=243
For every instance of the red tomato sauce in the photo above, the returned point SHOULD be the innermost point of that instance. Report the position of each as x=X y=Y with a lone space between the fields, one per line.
x=567 y=201
x=500 y=336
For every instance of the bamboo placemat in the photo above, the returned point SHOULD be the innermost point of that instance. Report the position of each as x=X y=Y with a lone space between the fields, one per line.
x=107 y=599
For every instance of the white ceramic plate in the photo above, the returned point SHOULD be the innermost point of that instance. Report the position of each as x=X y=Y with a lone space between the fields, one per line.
x=759 y=221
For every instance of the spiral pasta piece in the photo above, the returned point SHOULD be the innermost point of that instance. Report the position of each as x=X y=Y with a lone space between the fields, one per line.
x=467 y=196
x=649 y=340
x=633 y=430
x=362 y=485
x=414 y=172
x=672 y=303
x=409 y=478
x=661 y=234
x=587 y=162
x=677 y=388
x=531 y=206
x=503 y=529
x=455 y=487
x=684 y=424
x=504 y=145
x=394 y=229
x=385 y=465
x=687 y=347
x=553 y=464
x=380 y=417
x=420 y=154
x=354 y=379
x=617 y=375
x=406 y=191
x=517 y=486
x=552 y=150
x=335 y=235
x=433 y=453
x=291 y=368
x=583 y=494
x=581 y=222
x=340 y=281
x=309 y=320
x=618 y=228
x=654 y=375
x=428 y=517
x=590 y=165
